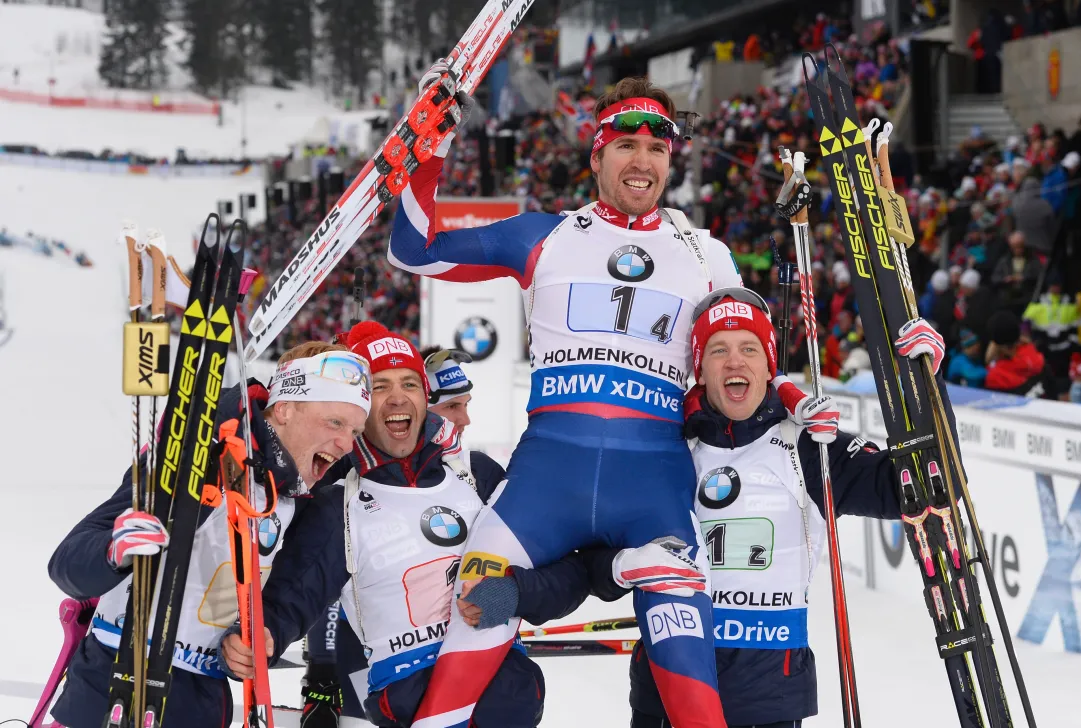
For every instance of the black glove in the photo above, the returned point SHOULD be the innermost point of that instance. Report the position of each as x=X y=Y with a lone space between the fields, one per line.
x=322 y=697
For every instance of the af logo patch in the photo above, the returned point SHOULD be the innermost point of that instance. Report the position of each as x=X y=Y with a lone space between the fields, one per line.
x=477 y=565
x=442 y=526
x=630 y=263
x=719 y=487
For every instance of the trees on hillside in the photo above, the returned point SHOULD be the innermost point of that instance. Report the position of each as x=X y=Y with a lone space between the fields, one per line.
x=352 y=38
x=219 y=37
x=223 y=42
x=133 y=53
x=286 y=40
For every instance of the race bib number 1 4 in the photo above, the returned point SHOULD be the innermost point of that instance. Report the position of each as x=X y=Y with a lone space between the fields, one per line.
x=639 y=312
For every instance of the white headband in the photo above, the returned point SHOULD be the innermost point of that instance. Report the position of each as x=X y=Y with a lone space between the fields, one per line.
x=334 y=376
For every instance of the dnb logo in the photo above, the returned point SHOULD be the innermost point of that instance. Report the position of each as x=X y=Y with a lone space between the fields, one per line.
x=630 y=263
x=442 y=526
x=719 y=487
x=892 y=536
x=477 y=565
x=476 y=336
x=270 y=529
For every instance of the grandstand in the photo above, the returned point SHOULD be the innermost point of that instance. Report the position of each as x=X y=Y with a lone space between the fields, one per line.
x=973 y=179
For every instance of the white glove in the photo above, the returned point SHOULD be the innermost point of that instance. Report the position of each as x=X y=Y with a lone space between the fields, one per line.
x=663 y=565
x=820 y=416
x=433 y=74
x=135 y=533
x=917 y=337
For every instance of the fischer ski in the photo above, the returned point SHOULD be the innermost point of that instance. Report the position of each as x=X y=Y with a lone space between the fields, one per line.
x=180 y=465
x=145 y=373
x=186 y=486
x=914 y=410
x=414 y=140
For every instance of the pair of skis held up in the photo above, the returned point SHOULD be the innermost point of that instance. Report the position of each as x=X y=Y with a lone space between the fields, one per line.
x=922 y=444
x=414 y=140
x=168 y=479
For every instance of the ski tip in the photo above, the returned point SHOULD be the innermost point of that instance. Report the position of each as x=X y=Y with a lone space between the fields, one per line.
x=212 y=224
x=814 y=64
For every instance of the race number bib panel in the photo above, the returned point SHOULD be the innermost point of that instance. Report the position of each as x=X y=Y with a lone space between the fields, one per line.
x=429 y=588
x=210 y=600
x=409 y=544
x=762 y=547
x=739 y=543
x=638 y=312
x=609 y=325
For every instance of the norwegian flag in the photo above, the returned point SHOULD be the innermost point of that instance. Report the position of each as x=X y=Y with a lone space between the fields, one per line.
x=587 y=64
x=578 y=115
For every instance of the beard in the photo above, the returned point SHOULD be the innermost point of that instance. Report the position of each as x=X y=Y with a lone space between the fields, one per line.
x=632 y=204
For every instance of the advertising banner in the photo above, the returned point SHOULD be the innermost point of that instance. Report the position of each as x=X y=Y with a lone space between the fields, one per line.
x=483 y=319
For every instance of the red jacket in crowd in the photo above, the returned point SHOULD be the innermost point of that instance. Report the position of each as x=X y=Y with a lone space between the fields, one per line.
x=1018 y=373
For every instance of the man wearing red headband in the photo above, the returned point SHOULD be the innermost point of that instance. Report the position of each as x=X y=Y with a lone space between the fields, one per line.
x=751 y=490
x=608 y=294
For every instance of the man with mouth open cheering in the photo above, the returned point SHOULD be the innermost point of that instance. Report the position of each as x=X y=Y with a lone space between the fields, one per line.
x=405 y=501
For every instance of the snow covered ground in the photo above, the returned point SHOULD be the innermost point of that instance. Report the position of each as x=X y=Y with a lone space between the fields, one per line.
x=63 y=44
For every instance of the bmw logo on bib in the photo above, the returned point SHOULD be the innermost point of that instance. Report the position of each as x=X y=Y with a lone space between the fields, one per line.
x=719 y=487
x=477 y=337
x=269 y=530
x=630 y=263
x=442 y=526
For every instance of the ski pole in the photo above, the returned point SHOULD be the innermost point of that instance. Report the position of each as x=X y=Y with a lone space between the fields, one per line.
x=784 y=322
x=550 y=648
x=600 y=625
x=796 y=190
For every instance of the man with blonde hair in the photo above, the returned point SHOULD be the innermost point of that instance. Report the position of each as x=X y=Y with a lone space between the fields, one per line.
x=318 y=401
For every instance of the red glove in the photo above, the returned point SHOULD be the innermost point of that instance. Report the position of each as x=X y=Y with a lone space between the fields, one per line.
x=135 y=533
x=917 y=337
x=820 y=416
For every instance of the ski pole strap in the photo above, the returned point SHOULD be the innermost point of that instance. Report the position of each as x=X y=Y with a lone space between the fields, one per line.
x=960 y=641
x=916 y=442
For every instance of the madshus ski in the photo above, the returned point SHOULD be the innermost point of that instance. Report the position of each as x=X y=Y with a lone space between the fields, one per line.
x=414 y=139
x=182 y=462
x=913 y=407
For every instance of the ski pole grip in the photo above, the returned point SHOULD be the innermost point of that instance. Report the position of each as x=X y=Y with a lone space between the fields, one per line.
x=159 y=277
x=135 y=271
x=884 y=166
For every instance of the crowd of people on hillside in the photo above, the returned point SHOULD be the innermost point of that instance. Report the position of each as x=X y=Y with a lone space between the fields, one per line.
x=46 y=247
x=181 y=159
x=988 y=235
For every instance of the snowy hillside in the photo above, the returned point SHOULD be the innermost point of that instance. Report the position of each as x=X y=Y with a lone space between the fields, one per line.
x=63 y=44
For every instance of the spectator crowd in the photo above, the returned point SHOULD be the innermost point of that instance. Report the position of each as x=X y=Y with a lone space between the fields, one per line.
x=997 y=261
